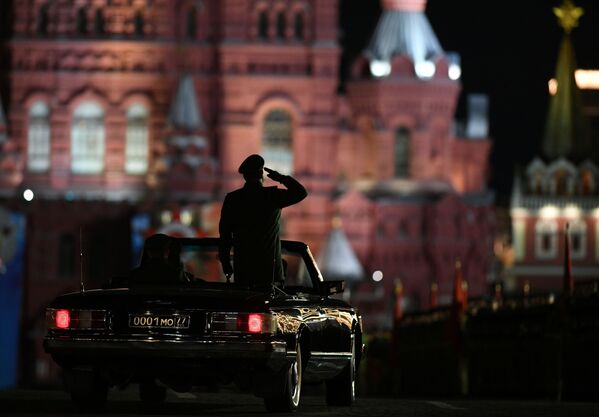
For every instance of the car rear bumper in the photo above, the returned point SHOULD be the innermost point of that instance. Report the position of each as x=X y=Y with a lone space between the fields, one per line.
x=271 y=353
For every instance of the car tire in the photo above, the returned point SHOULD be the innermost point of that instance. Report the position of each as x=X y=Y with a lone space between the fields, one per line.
x=341 y=390
x=151 y=394
x=88 y=391
x=288 y=399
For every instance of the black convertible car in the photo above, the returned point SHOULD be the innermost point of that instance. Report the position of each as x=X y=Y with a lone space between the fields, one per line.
x=208 y=332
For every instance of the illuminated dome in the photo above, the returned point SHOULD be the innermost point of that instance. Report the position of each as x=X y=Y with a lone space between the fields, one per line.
x=404 y=29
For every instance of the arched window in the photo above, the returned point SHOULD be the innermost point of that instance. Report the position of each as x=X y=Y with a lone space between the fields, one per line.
x=87 y=139
x=281 y=24
x=578 y=239
x=99 y=22
x=298 y=26
x=81 y=21
x=536 y=183
x=42 y=20
x=402 y=152
x=191 y=24
x=587 y=182
x=138 y=23
x=561 y=180
x=277 y=141
x=546 y=239
x=263 y=25
x=38 y=138
x=136 y=146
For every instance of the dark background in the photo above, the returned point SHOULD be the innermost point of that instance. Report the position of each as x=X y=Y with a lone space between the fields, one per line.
x=509 y=51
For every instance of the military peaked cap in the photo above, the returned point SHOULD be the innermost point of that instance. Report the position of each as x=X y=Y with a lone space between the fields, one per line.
x=252 y=164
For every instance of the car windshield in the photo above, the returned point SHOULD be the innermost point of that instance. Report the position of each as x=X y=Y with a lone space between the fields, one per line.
x=202 y=262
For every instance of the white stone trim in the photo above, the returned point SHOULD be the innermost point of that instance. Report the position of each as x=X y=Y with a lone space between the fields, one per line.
x=578 y=226
x=545 y=227
x=519 y=236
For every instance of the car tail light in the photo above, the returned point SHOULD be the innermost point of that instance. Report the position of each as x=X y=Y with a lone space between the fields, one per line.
x=63 y=319
x=255 y=323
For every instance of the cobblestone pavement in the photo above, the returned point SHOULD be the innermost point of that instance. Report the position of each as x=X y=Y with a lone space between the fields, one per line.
x=52 y=403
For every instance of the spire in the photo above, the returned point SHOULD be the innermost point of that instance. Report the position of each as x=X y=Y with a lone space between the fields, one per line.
x=185 y=113
x=566 y=131
x=403 y=29
x=337 y=259
x=568 y=15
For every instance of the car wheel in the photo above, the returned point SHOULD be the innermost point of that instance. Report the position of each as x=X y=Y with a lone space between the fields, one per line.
x=151 y=394
x=341 y=390
x=88 y=391
x=289 y=399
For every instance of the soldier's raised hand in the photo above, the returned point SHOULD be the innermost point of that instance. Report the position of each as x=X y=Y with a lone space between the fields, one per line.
x=274 y=175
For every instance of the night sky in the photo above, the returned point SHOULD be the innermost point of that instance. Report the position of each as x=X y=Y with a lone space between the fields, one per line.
x=509 y=51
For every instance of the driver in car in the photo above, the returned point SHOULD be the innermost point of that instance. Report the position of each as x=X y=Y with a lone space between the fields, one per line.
x=159 y=263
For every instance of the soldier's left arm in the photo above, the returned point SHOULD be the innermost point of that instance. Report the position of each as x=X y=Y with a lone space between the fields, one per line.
x=294 y=193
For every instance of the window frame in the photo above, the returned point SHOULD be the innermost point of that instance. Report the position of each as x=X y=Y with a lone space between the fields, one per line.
x=401 y=170
x=546 y=228
x=82 y=138
x=283 y=160
x=143 y=136
x=43 y=137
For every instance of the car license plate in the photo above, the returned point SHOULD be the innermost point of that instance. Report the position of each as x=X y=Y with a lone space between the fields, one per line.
x=152 y=321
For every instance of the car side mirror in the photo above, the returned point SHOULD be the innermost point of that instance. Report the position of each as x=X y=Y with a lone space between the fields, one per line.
x=331 y=287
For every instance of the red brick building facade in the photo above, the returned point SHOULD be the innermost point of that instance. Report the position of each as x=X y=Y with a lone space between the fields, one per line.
x=117 y=107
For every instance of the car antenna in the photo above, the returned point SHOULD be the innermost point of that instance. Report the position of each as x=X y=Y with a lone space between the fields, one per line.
x=81 y=285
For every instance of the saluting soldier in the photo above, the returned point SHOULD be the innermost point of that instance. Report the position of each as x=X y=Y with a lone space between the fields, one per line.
x=250 y=224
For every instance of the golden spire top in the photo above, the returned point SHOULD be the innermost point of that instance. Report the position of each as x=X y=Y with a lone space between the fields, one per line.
x=568 y=15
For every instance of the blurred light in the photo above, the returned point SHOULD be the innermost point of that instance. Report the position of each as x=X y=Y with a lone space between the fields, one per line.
x=572 y=212
x=552 y=86
x=380 y=68
x=166 y=217
x=455 y=72
x=549 y=212
x=28 y=195
x=526 y=288
x=587 y=79
x=377 y=276
x=596 y=213
x=519 y=212
x=186 y=217
x=425 y=69
x=551 y=299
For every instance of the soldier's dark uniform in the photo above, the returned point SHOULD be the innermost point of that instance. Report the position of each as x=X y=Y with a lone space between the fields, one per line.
x=250 y=223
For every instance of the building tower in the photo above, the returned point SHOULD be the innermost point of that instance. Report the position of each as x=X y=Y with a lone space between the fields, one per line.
x=559 y=185
x=416 y=198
